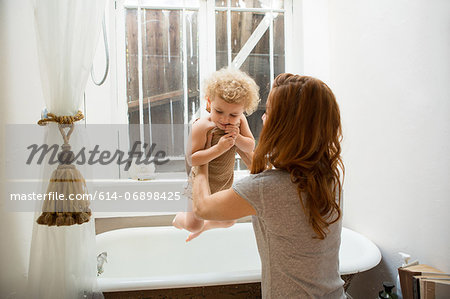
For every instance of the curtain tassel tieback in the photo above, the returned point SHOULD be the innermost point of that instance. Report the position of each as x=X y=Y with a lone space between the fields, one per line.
x=66 y=180
x=62 y=120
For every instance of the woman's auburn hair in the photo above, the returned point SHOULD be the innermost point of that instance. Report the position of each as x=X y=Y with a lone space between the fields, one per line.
x=302 y=135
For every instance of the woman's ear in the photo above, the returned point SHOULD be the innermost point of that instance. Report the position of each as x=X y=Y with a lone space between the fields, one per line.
x=208 y=105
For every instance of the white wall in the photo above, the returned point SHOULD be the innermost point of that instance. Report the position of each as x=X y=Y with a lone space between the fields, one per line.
x=100 y=100
x=390 y=71
x=316 y=44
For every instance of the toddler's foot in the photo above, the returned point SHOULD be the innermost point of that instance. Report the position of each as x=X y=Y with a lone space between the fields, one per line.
x=209 y=225
x=193 y=236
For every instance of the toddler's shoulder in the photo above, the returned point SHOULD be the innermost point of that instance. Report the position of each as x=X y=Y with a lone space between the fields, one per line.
x=203 y=123
x=243 y=119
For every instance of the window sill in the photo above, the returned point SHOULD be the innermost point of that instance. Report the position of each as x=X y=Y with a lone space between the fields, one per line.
x=160 y=178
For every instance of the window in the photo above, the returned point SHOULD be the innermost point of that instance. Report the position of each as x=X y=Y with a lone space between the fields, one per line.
x=171 y=46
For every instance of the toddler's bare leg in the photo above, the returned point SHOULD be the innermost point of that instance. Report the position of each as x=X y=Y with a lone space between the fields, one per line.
x=209 y=224
x=188 y=221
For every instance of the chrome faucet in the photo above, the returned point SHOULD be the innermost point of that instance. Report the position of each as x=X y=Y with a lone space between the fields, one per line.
x=101 y=259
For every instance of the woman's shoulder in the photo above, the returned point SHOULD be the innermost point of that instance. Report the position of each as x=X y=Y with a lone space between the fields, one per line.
x=275 y=172
x=271 y=174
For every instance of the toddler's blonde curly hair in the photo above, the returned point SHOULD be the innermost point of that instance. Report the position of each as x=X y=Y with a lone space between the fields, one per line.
x=233 y=86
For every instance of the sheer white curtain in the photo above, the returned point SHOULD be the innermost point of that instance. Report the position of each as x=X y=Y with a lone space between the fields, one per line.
x=63 y=259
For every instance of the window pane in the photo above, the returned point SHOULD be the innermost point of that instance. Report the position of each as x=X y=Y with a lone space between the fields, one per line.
x=191 y=3
x=162 y=68
x=250 y=3
x=164 y=3
x=164 y=54
x=278 y=44
x=132 y=72
x=275 y=4
x=243 y=24
x=257 y=64
x=193 y=71
x=131 y=54
x=221 y=40
x=221 y=3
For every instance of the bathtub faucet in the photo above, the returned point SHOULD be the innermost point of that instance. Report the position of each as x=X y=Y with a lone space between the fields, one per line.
x=101 y=259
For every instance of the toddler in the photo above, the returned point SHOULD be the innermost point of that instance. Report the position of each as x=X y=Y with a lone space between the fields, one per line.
x=217 y=137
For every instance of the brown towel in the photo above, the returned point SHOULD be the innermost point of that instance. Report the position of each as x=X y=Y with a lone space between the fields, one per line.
x=221 y=169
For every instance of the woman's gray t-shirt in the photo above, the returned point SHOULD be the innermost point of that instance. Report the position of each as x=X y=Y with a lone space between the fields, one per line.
x=294 y=263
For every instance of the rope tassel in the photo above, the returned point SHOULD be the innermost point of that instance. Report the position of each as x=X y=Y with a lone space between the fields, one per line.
x=62 y=120
x=65 y=203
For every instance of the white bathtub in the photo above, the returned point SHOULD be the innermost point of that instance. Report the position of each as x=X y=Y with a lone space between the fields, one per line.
x=158 y=257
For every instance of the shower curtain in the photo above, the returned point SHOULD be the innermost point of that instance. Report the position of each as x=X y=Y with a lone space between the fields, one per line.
x=63 y=258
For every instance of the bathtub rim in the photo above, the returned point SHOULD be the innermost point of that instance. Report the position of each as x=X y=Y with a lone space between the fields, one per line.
x=178 y=281
x=115 y=284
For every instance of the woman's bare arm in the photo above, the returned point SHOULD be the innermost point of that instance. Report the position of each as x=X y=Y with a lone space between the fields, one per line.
x=223 y=205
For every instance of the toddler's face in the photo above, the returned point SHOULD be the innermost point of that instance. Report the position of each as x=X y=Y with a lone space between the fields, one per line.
x=224 y=113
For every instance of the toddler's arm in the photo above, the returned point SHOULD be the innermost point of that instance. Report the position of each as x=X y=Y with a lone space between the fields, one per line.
x=200 y=155
x=244 y=140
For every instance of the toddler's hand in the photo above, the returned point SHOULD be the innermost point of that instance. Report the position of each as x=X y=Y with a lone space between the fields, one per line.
x=226 y=142
x=233 y=130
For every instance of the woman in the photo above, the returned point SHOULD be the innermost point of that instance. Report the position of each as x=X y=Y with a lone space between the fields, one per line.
x=293 y=192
